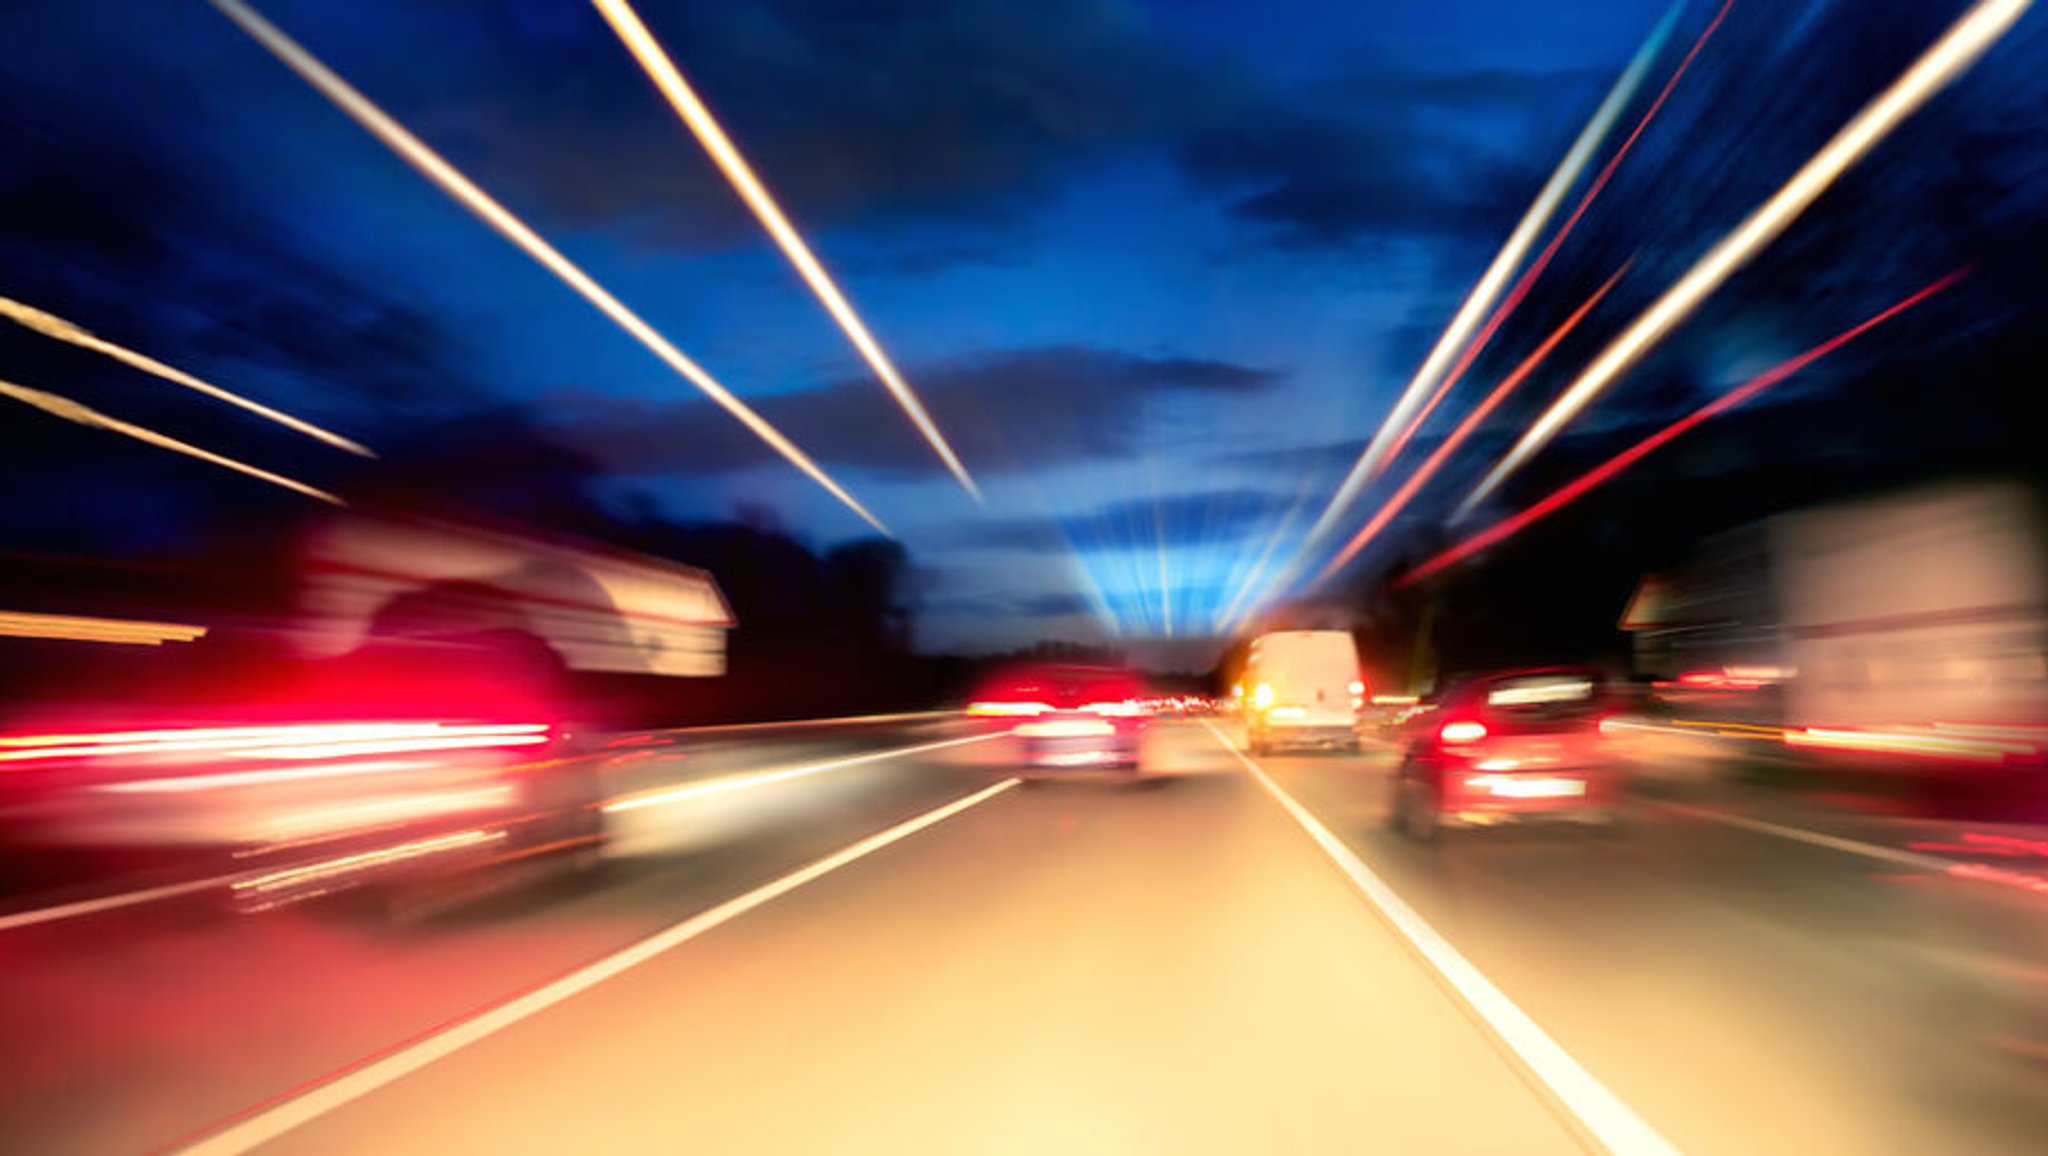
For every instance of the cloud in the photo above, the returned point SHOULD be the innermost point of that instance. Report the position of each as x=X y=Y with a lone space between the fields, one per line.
x=879 y=114
x=1385 y=152
x=1004 y=412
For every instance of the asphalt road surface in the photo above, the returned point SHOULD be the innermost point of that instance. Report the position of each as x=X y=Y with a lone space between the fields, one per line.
x=869 y=938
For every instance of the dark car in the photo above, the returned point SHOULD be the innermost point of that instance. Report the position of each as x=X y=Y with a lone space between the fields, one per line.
x=1069 y=719
x=1509 y=746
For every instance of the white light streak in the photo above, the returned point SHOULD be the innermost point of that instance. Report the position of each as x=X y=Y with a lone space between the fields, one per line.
x=416 y=153
x=56 y=328
x=666 y=76
x=85 y=415
x=1483 y=295
x=1949 y=57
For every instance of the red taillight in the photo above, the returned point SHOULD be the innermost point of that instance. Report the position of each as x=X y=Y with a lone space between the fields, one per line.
x=1462 y=731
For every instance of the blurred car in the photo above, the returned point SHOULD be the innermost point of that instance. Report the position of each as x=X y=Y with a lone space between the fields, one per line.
x=405 y=768
x=1069 y=718
x=1306 y=689
x=1509 y=746
x=297 y=810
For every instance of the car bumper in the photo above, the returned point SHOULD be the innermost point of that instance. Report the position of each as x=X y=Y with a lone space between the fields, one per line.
x=1481 y=799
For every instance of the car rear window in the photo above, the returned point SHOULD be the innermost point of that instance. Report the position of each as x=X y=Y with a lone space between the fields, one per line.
x=1544 y=697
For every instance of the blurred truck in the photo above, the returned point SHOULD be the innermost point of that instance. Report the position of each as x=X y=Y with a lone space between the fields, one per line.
x=1907 y=630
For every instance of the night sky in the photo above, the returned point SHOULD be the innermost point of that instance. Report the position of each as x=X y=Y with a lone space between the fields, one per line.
x=1158 y=269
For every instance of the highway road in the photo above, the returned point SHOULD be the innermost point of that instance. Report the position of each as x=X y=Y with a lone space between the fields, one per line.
x=869 y=937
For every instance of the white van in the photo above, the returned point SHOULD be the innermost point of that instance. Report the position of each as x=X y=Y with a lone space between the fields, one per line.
x=1302 y=688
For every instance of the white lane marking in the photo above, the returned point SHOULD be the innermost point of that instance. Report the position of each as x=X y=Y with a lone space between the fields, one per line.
x=762 y=778
x=359 y=1082
x=112 y=902
x=1814 y=838
x=1599 y=1112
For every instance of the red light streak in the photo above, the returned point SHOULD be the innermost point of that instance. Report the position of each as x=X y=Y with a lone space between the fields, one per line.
x=275 y=742
x=1435 y=461
x=1536 y=267
x=1577 y=488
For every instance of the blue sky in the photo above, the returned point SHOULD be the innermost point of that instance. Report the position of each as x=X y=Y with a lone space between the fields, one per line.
x=1157 y=266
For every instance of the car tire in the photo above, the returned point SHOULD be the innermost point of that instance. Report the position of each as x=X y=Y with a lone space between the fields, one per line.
x=1421 y=817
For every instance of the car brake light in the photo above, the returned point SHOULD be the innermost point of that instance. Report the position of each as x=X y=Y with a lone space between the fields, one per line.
x=1462 y=731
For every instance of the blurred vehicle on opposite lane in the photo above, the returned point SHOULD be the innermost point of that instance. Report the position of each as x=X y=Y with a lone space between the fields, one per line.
x=1069 y=718
x=1509 y=746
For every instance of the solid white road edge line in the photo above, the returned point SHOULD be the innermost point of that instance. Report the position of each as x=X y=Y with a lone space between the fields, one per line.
x=1599 y=1112
x=275 y=1122
x=742 y=782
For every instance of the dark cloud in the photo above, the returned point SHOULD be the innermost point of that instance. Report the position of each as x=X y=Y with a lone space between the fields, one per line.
x=163 y=250
x=1483 y=89
x=877 y=113
x=1386 y=152
x=1010 y=411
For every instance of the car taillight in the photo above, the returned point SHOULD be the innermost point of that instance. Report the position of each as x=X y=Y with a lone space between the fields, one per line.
x=1461 y=732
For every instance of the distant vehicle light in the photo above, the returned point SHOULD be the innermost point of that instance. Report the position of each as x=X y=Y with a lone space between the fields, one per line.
x=1462 y=731
x=1007 y=709
x=1262 y=695
x=1357 y=687
x=1129 y=708
x=1395 y=699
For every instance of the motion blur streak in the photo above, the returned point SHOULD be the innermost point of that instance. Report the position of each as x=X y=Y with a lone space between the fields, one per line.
x=275 y=742
x=401 y=141
x=667 y=77
x=1572 y=491
x=763 y=778
x=84 y=415
x=1484 y=293
x=269 y=1122
x=85 y=907
x=70 y=628
x=348 y=864
x=1608 y=1122
x=1977 y=750
x=52 y=326
x=1542 y=261
x=1959 y=48
x=1435 y=461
